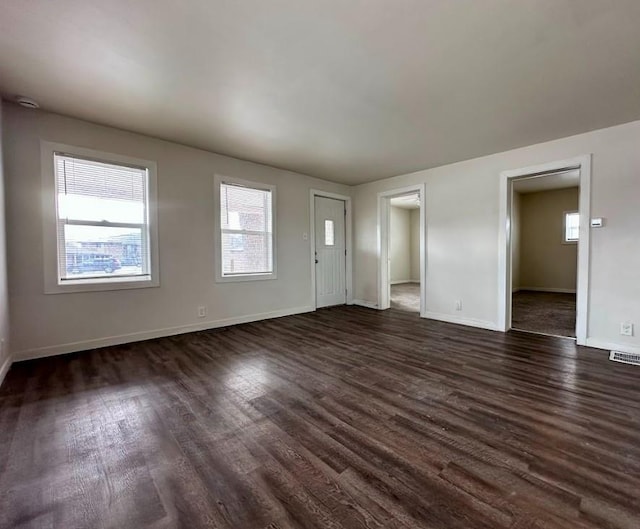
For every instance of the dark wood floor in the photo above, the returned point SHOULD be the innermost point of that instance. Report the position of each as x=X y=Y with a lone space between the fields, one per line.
x=344 y=418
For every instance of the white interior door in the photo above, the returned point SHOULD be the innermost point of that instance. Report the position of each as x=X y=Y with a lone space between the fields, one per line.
x=331 y=260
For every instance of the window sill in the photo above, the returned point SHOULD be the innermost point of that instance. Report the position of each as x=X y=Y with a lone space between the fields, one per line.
x=246 y=277
x=101 y=285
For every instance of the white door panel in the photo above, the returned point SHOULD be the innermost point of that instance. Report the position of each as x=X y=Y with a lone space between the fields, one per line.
x=330 y=252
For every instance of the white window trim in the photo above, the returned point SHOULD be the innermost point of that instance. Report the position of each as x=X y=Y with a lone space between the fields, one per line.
x=52 y=284
x=564 y=228
x=218 y=180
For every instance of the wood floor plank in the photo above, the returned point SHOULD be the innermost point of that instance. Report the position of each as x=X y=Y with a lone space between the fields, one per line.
x=346 y=418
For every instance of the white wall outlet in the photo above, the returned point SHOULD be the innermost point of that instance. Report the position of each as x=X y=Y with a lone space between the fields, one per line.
x=458 y=304
x=202 y=312
x=305 y=236
x=626 y=328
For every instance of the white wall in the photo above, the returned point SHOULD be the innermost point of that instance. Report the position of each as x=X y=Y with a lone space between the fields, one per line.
x=546 y=261
x=4 y=297
x=399 y=244
x=515 y=241
x=415 y=245
x=462 y=210
x=45 y=324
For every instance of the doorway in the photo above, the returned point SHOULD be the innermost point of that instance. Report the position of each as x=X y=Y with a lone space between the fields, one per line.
x=330 y=250
x=544 y=307
x=544 y=253
x=402 y=250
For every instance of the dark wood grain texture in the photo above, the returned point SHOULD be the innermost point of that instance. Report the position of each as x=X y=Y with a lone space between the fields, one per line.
x=343 y=418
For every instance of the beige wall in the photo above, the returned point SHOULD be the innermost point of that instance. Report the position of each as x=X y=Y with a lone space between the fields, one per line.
x=399 y=244
x=546 y=262
x=462 y=211
x=4 y=297
x=47 y=324
x=415 y=245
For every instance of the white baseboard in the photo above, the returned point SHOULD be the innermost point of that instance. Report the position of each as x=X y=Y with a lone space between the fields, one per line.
x=470 y=322
x=4 y=369
x=402 y=281
x=545 y=289
x=41 y=352
x=609 y=346
x=363 y=303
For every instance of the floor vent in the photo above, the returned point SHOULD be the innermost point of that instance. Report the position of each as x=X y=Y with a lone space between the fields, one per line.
x=625 y=358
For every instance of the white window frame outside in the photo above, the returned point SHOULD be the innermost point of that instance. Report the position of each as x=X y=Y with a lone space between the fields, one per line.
x=53 y=284
x=220 y=278
x=564 y=227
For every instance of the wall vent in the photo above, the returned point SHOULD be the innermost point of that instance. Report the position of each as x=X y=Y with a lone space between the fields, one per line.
x=625 y=358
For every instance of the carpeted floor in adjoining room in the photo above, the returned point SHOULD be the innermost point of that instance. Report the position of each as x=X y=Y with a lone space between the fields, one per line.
x=406 y=297
x=546 y=312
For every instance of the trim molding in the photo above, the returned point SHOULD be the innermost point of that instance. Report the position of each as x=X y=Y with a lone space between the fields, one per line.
x=73 y=347
x=403 y=281
x=363 y=303
x=609 y=346
x=470 y=322
x=545 y=289
x=4 y=369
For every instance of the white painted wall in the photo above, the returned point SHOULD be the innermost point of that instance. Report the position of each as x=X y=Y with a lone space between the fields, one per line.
x=399 y=244
x=462 y=209
x=4 y=297
x=415 y=245
x=546 y=262
x=515 y=241
x=45 y=324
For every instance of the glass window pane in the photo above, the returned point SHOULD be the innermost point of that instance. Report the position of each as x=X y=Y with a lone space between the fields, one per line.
x=97 y=191
x=102 y=252
x=572 y=226
x=244 y=253
x=244 y=208
x=329 y=234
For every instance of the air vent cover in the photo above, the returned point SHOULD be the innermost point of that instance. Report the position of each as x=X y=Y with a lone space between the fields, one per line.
x=625 y=358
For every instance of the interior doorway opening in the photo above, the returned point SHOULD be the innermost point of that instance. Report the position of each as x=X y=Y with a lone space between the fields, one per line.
x=545 y=232
x=506 y=256
x=402 y=250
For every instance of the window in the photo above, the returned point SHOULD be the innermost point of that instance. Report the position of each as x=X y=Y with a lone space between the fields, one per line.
x=571 y=226
x=246 y=231
x=100 y=221
x=329 y=235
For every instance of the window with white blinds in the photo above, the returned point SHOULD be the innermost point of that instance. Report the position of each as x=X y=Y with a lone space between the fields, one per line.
x=246 y=230
x=102 y=219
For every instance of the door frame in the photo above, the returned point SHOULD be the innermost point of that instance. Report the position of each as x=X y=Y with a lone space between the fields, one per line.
x=384 y=283
x=583 y=163
x=348 y=242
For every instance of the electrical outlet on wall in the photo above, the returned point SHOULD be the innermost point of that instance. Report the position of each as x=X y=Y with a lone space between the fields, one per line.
x=626 y=328
x=202 y=312
x=458 y=304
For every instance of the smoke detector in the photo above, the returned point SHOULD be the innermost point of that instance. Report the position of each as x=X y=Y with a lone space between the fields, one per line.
x=27 y=102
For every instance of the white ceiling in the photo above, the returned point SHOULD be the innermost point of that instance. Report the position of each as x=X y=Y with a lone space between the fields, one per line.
x=406 y=202
x=351 y=91
x=549 y=182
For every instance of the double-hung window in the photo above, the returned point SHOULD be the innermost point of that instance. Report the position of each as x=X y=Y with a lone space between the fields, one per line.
x=103 y=222
x=246 y=232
